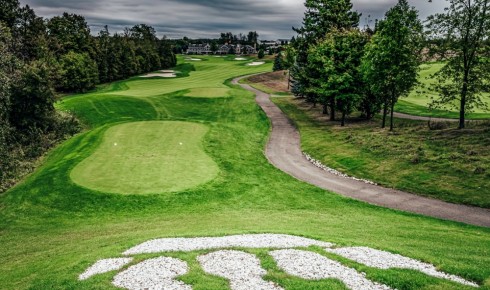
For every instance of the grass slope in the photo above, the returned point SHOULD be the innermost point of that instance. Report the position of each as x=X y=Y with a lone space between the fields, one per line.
x=147 y=157
x=418 y=101
x=414 y=159
x=51 y=230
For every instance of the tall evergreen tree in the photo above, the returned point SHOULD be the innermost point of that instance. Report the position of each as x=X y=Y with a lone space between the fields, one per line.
x=337 y=59
x=278 y=62
x=321 y=17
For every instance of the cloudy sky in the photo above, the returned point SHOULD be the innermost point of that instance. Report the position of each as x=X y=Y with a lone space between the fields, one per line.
x=272 y=19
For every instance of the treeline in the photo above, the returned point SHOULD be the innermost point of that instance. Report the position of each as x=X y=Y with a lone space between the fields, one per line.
x=345 y=69
x=39 y=57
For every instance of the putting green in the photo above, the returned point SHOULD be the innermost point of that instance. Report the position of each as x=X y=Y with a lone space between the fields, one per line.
x=148 y=157
x=209 y=93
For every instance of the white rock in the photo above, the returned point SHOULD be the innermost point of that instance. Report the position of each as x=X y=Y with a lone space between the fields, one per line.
x=313 y=266
x=243 y=241
x=154 y=274
x=333 y=171
x=105 y=266
x=243 y=270
x=385 y=260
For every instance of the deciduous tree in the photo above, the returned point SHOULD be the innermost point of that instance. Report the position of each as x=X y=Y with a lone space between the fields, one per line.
x=465 y=31
x=393 y=57
x=79 y=72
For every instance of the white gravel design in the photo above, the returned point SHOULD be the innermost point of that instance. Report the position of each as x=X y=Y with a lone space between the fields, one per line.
x=242 y=241
x=385 y=260
x=105 y=266
x=313 y=266
x=154 y=274
x=333 y=171
x=256 y=63
x=242 y=269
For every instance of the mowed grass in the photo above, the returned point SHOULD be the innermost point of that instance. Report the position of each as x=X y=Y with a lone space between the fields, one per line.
x=51 y=229
x=448 y=164
x=208 y=92
x=148 y=157
x=417 y=103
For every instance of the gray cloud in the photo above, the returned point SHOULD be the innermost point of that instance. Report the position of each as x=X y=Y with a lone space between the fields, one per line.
x=207 y=18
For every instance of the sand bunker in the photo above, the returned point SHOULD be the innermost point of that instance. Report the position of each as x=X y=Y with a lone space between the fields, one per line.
x=255 y=63
x=240 y=58
x=160 y=75
x=194 y=59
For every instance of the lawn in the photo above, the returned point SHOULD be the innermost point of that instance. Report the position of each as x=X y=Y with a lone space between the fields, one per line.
x=417 y=103
x=147 y=157
x=447 y=164
x=52 y=229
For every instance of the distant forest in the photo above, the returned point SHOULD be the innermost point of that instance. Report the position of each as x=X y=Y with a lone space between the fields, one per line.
x=42 y=57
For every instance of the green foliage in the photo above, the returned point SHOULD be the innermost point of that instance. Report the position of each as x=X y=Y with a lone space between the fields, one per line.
x=321 y=17
x=278 y=62
x=79 y=73
x=69 y=32
x=261 y=54
x=464 y=30
x=392 y=57
x=29 y=125
x=337 y=60
x=9 y=10
x=32 y=98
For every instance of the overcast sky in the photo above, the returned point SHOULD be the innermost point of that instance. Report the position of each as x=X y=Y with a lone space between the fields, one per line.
x=272 y=19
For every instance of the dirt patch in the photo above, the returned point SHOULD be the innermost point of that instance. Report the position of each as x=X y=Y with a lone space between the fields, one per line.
x=277 y=81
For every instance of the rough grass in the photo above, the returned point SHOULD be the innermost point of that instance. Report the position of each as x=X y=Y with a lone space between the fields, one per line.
x=147 y=157
x=447 y=164
x=208 y=92
x=417 y=103
x=51 y=230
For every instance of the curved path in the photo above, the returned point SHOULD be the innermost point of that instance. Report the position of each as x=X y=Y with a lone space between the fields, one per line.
x=284 y=152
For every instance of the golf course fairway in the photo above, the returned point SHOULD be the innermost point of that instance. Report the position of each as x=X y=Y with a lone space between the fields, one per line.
x=148 y=157
x=62 y=219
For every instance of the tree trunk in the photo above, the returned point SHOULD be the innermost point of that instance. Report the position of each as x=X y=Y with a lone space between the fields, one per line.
x=325 y=109
x=462 y=109
x=332 y=109
x=289 y=80
x=385 y=113
x=392 y=112
x=343 y=119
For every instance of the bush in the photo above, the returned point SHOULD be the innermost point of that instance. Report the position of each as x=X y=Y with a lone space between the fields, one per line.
x=261 y=54
x=438 y=125
x=79 y=73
